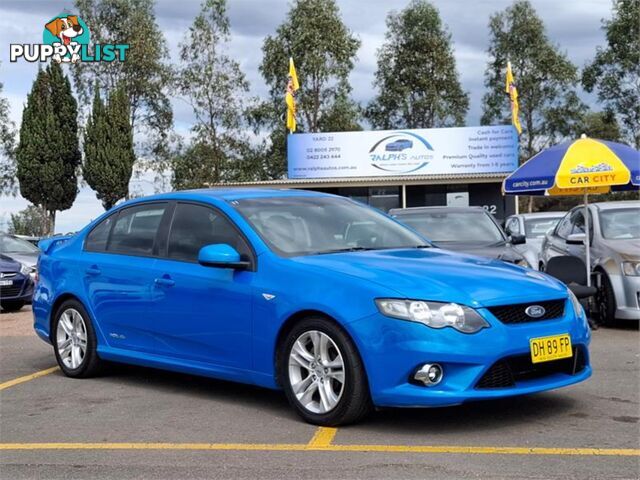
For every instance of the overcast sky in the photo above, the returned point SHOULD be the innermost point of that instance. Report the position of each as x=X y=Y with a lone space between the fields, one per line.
x=574 y=25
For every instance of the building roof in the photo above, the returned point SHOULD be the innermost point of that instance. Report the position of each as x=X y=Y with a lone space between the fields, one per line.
x=367 y=181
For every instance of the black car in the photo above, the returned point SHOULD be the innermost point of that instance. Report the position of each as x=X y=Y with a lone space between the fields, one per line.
x=16 y=285
x=466 y=229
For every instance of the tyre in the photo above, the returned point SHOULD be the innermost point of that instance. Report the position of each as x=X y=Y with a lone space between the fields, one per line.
x=322 y=374
x=74 y=341
x=605 y=301
x=12 y=305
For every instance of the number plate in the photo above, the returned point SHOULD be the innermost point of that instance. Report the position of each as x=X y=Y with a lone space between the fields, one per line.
x=6 y=283
x=545 y=349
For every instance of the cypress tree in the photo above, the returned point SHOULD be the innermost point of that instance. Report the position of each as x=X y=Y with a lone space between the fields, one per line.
x=48 y=153
x=108 y=148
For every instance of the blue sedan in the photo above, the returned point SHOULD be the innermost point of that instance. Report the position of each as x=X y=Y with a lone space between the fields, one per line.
x=329 y=300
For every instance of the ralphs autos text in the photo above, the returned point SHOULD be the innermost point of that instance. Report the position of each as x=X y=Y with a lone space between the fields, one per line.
x=65 y=39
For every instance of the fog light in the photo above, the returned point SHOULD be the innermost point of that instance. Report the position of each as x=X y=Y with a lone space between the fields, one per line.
x=429 y=374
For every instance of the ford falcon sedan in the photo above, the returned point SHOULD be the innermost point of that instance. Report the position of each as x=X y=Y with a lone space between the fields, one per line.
x=333 y=302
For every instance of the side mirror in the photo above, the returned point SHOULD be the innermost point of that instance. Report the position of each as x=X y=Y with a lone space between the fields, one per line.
x=221 y=255
x=576 y=239
x=518 y=239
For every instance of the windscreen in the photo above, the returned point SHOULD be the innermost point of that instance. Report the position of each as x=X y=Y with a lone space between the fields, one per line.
x=538 y=227
x=620 y=224
x=294 y=226
x=462 y=227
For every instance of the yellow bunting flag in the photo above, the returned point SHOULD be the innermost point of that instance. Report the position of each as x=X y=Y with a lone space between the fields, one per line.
x=512 y=91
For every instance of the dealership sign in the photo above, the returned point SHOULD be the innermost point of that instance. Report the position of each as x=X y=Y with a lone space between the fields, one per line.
x=428 y=151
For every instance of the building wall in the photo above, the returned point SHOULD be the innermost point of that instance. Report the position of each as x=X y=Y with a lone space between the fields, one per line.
x=487 y=195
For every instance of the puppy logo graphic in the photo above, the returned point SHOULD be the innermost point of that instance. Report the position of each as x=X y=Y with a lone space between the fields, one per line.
x=67 y=30
x=66 y=39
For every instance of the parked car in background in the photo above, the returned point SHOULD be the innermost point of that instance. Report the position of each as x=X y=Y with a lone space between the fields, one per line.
x=614 y=235
x=29 y=238
x=534 y=226
x=331 y=300
x=16 y=284
x=464 y=229
x=21 y=251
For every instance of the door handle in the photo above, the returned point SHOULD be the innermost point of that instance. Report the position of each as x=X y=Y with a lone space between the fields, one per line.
x=164 y=281
x=93 y=270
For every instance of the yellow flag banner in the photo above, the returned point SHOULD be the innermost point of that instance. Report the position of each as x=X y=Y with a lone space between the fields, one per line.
x=512 y=91
x=290 y=96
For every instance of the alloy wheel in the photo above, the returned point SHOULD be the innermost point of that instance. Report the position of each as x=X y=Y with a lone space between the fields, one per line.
x=71 y=338
x=316 y=371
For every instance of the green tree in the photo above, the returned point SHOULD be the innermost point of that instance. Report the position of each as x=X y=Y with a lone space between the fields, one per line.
x=145 y=75
x=602 y=125
x=31 y=221
x=615 y=70
x=416 y=77
x=48 y=153
x=108 y=148
x=215 y=87
x=546 y=79
x=7 y=148
x=324 y=51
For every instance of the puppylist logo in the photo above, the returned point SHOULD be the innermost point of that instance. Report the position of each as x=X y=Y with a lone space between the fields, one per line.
x=402 y=152
x=65 y=39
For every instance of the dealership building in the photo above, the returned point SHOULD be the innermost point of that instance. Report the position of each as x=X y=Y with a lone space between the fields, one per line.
x=406 y=168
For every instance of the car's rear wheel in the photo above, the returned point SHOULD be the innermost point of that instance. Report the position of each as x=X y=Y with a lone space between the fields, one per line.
x=11 y=305
x=323 y=376
x=605 y=301
x=74 y=341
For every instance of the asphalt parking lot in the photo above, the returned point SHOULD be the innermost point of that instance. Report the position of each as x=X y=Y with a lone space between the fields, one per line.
x=140 y=423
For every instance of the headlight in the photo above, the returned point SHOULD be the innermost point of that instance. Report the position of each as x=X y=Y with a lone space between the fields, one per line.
x=631 y=269
x=575 y=303
x=433 y=314
x=27 y=270
x=521 y=262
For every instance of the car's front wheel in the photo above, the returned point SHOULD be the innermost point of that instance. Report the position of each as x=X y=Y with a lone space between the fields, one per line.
x=323 y=375
x=74 y=341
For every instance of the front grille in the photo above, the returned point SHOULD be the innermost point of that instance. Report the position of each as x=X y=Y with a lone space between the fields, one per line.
x=506 y=372
x=10 y=291
x=511 y=314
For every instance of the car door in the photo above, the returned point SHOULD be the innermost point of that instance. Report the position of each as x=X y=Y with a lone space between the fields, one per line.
x=117 y=267
x=556 y=244
x=203 y=313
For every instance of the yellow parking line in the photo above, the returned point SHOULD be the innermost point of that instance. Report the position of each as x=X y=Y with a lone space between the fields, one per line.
x=323 y=437
x=267 y=447
x=27 y=378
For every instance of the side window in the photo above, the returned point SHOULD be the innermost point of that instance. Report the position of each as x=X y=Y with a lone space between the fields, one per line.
x=96 y=241
x=195 y=226
x=578 y=223
x=134 y=232
x=564 y=227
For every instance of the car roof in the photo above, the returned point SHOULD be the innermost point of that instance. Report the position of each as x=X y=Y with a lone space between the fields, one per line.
x=230 y=194
x=396 y=211
x=617 y=204
x=540 y=215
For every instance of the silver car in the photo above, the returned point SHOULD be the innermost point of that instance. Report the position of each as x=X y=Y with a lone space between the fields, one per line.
x=615 y=253
x=534 y=226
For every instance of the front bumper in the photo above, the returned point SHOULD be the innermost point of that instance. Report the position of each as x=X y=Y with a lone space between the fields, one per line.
x=20 y=291
x=627 y=292
x=393 y=349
